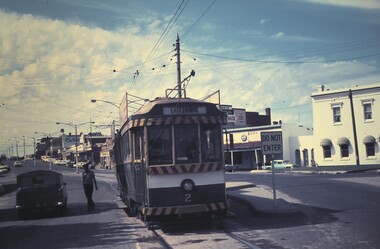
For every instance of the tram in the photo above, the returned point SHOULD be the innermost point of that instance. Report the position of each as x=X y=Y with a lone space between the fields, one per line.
x=170 y=161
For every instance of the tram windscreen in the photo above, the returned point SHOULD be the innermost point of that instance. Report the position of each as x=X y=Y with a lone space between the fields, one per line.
x=211 y=143
x=186 y=145
x=160 y=145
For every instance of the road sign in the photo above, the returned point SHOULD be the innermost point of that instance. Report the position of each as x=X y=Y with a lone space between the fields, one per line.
x=271 y=142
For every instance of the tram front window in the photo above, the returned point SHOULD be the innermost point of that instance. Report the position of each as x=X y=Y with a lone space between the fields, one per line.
x=160 y=145
x=211 y=143
x=186 y=146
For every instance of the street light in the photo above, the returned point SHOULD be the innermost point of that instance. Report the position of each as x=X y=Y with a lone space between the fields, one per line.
x=105 y=101
x=75 y=126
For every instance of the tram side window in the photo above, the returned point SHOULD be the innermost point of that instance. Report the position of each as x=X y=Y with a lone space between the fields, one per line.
x=186 y=146
x=137 y=140
x=211 y=143
x=160 y=145
x=126 y=149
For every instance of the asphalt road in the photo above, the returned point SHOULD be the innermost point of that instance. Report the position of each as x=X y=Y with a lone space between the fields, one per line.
x=106 y=227
x=337 y=210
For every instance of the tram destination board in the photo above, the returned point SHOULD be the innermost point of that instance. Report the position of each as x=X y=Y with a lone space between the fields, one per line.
x=271 y=143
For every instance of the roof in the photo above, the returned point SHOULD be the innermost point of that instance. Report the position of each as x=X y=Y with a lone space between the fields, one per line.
x=353 y=88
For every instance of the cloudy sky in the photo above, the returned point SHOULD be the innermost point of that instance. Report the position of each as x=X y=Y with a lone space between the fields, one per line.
x=57 y=55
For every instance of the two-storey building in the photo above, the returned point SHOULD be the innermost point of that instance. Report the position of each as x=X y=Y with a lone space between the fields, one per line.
x=347 y=125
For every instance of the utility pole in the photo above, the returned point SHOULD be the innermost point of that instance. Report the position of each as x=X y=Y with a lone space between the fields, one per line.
x=354 y=127
x=177 y=47
x=24 y=148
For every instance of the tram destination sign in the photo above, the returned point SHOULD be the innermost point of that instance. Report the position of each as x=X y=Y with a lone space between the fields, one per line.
x=271 y=143
x=184 y=110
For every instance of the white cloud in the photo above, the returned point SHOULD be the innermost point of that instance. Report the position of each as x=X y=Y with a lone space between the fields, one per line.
x=263 y=21
x=363 y=4
x=278 y=35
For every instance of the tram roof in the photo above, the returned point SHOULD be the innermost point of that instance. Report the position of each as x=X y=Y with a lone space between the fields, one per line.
x=176 y=110
x=166 y=101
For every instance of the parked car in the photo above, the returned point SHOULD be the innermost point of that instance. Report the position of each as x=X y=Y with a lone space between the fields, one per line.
x=4 y=168
x=229 y=167
x=279 y=164
x=17 y=164
x=40 y=190
x=80 y=164
x=70 y=164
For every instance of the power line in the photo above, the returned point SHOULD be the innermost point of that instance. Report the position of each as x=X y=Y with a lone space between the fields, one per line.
x=283 y=62
x=163 y=35
x=199 y=18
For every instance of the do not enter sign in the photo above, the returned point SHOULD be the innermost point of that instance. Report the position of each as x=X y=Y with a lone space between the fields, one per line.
x=271 y=142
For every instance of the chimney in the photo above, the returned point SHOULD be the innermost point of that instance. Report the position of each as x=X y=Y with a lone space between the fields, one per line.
x=267 y=111
x=321 y=88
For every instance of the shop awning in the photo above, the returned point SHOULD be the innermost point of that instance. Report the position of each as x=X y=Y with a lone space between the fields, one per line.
x=369 y=140
x=325 y=142
x=343 y=141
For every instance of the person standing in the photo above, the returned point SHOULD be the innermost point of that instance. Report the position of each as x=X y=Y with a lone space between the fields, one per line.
x=88 y=185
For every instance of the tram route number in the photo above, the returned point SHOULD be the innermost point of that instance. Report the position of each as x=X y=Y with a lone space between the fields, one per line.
x=271 y=142
x=187 y=197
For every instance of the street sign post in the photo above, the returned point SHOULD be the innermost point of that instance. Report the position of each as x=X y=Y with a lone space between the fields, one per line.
x=271 y=144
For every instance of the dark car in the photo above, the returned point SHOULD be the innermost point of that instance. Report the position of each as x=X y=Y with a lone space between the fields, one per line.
x=40 y=190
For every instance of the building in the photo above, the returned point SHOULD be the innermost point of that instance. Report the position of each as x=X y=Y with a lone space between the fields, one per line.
x=243 y=145
x=346 y=132
x=239 y=117
x=347 y=125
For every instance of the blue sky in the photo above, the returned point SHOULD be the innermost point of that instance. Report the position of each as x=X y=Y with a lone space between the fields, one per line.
x=57 y=55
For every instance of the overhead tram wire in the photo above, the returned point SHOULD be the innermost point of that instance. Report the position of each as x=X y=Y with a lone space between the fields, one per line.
x=282 y=62
x=163 y=35
x=199 y=18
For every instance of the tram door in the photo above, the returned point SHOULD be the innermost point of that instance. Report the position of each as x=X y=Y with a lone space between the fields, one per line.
x=139 y=167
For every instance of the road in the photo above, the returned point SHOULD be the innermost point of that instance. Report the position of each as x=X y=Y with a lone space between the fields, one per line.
x=106 y=227
x=336 y=211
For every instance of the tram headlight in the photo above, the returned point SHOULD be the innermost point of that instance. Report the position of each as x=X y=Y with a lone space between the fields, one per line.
x=187 y=185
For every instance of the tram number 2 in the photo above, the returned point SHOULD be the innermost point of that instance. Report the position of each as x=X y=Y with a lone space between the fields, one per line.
x=187 y=197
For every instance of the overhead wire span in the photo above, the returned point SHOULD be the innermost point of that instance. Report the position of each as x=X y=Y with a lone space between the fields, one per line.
x=282 y=62
x=199 y=18
x=161 y=38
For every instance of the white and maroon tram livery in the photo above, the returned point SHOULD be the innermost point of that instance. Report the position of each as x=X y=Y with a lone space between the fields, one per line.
x=170 y=160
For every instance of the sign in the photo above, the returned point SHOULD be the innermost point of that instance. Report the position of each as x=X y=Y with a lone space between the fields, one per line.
x=123 y=110
x=184 y=110
x=271 y=142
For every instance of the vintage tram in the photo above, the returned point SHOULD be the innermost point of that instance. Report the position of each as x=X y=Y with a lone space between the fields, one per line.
x=170 y=161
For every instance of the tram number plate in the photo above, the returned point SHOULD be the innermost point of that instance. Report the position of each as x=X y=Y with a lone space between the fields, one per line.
x=187 y=197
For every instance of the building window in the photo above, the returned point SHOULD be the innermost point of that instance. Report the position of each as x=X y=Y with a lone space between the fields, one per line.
x=336 y=114
x=326 y=151
x=344 y=150
x=370 y=149
x=367 y=109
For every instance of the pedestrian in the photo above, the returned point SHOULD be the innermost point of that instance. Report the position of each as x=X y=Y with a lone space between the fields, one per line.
x=88 y=185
